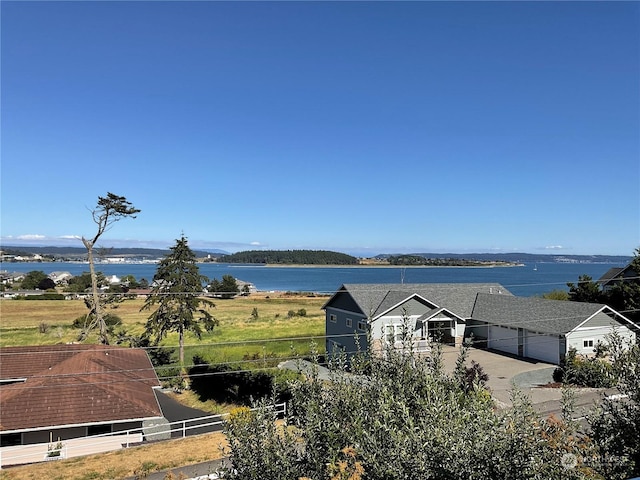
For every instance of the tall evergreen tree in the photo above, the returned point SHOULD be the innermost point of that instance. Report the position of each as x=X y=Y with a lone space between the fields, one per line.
x=586 y=290
x=176 y=294
x=625 y=295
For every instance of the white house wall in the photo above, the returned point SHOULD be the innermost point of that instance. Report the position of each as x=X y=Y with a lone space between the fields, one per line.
x=377 y=327
x=577 y=338
x=460 y=329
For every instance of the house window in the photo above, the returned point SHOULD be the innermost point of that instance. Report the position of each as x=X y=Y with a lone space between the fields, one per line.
x=361 y=326
x=587 y=343
x=98 y=429
x=10 y=439
x=333 y=318
x=393 y=333
x=349 y=323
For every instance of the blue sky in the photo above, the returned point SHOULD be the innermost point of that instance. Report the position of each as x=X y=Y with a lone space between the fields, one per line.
x=364 y=127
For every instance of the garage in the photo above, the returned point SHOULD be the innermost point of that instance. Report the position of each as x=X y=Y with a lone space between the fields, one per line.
x=524 y=343
x=542 y=347
x=544 y=329
x=504 y=339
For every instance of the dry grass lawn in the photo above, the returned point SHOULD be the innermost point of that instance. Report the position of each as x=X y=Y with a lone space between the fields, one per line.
x=124 y=463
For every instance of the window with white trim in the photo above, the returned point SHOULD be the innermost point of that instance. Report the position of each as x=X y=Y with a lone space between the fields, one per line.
x=587 y=343
x=349 y=323
x=333 y=318
x=362 y=326
x=393 y=333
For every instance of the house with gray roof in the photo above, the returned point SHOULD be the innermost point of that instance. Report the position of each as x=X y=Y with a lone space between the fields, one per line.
x=617 y=275
x=388 y=314
x=376 y=316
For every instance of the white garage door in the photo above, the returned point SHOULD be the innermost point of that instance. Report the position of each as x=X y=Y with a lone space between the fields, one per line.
x=503 y=339
x=542 y=347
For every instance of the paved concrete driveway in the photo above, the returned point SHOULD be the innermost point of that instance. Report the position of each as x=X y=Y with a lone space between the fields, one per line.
x=506 y=371
x=529 y=376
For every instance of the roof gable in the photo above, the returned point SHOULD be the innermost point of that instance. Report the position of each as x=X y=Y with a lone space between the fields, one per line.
x=440 y=311
x=395 y=300
x=616 y=274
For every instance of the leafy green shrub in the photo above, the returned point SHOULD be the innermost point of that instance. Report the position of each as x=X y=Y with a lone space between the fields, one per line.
x=170 y=376
x=110 y=320
x=302 y=312
x=558 y=375
x=591 y=372
x=223 y=384
x=406 y=418
x=44 y=296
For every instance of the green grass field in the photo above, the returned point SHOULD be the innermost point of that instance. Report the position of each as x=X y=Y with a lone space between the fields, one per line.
x=239 y=336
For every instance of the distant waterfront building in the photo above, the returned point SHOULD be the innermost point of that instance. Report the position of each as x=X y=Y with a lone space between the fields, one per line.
x=60 y=277
x=115 y=260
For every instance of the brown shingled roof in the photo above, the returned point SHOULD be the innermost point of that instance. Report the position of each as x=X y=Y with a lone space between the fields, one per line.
x=53 y=385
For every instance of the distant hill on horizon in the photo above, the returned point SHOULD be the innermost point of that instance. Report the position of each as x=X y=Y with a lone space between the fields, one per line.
x=152 y=253
x=524 y=257
x=82 y=252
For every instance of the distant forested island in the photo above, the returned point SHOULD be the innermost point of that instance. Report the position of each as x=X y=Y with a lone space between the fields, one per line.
x=419 y=260
x=514 y=257
x=290 y=257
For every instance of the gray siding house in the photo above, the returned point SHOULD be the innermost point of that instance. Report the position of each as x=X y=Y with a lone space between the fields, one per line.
x=362 y=316
x=361 y=313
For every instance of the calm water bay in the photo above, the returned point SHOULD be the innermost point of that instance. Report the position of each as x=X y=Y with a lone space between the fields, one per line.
x=523 y=281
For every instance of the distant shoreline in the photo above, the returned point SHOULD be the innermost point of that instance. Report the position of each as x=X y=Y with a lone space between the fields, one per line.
x=272 y=265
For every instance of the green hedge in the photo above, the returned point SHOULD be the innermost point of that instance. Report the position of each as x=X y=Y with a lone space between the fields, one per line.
x=44 y=296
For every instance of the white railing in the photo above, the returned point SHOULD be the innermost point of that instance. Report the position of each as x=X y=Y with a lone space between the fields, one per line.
x=76 y=447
